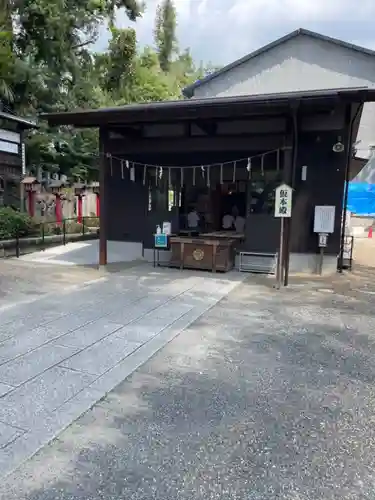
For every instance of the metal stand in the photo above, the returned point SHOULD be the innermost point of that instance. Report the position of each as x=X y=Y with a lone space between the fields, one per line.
x=156 y=257
x=161 y=242
x=321 y=260
x=323 y=238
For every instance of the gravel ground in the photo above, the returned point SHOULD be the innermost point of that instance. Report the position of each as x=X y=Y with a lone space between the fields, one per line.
x=269 y=396
x=364 y=251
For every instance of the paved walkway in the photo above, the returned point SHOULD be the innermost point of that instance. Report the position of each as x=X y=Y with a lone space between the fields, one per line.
x=22 y=282
x=269 y=395
x=86 y=253
x=62 y=353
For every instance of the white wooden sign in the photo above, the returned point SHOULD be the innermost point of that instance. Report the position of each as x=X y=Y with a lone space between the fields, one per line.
x=283 y=201
x=324 y=219
x=9 y=136
x=9 y=147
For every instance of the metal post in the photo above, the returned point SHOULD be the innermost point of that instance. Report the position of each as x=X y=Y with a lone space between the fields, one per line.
x=349 y=144
x=321 y=260
x=83 y=226
x=64 y=232
x=102 y=199
x=43 y=245
x=17 y=245
x=22 y=186
x=351 y=252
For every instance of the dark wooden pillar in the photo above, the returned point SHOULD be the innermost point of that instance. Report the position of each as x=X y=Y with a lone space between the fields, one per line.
x=103 y=231
x=290 y=177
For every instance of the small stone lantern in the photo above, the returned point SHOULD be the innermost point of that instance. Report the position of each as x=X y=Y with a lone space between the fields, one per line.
x=56 y=188
x=31 y=186
x=96 y=189
x=79 y=191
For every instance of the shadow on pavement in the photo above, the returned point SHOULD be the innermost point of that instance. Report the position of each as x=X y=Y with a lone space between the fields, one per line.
x=270 y=395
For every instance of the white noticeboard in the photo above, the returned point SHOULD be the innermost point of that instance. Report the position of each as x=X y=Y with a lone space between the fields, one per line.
x=167 y=228
x=283 y=201
x=324 y=219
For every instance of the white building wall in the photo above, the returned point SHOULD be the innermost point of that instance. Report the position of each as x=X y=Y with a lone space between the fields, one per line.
x=302 y=63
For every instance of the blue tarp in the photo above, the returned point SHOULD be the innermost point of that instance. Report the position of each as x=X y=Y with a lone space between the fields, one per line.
x=361 y=198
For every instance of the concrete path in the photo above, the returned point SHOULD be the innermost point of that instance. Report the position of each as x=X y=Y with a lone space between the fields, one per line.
x=62 y=353
x=22 y=282
x=85 y=253
x=270 y=395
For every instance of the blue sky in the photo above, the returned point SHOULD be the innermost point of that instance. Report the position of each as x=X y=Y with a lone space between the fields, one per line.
x=220 y=31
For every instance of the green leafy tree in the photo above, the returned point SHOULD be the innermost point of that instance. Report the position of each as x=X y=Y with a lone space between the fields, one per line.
x=165 y=33
x=7 y=61
x=46 y=66
x=115 y=68
x=53 y=70
x=56 y=32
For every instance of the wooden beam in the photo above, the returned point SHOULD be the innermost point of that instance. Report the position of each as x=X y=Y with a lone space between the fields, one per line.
x=198 y=144
x=208 y=127
x=128 y=131
x=187 y=126
x=103 y=230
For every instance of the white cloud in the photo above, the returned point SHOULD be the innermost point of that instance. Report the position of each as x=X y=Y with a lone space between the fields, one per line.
x=299 y=11
x=221 y=31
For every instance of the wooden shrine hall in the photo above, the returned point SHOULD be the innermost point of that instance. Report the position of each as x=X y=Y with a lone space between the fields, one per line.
x=209 y=167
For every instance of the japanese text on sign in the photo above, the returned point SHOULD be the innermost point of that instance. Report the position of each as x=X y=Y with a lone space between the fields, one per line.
x=324 y=219
x=323 y=237
x=283 y=201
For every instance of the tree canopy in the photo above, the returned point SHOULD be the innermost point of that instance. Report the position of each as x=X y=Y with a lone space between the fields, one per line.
x=47 y=65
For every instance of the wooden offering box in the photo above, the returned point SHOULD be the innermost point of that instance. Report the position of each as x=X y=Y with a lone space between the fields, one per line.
x=202 y=253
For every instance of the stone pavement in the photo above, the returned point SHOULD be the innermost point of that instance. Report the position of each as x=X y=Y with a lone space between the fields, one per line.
x=62 y=353
x=269 y=395
x=22 y=282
